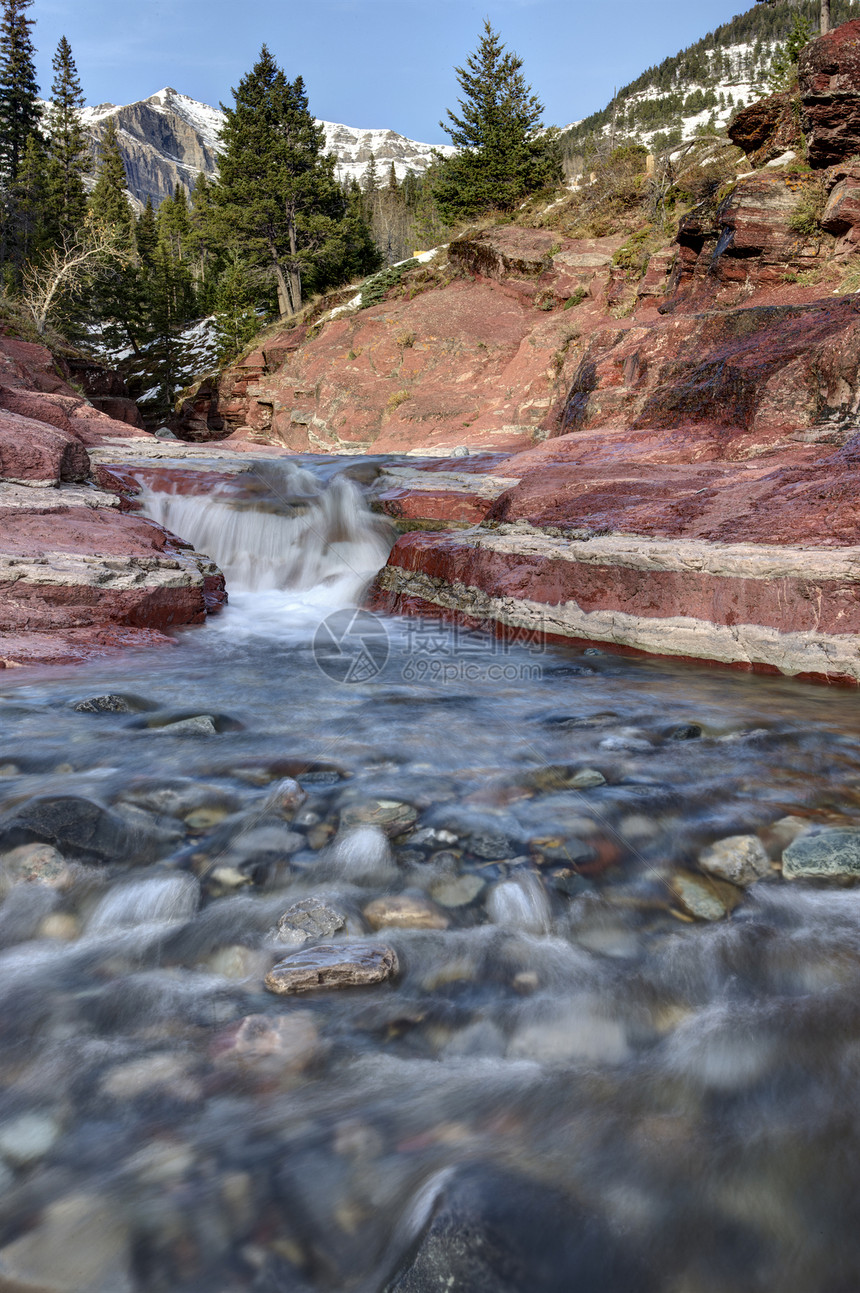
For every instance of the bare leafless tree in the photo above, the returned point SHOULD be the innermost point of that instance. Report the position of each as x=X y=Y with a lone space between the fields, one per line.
x=48 y=282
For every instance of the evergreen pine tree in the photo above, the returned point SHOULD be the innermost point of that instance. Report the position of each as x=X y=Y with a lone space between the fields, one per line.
x=203 y=243
x=392 y=179
x=503 y=156
x=146 y=235
x=19 y=108
x=277 y=192
x=174 y=223
x=121 y=298
x=370 y=181
x=109 y=199
x=34 y=234
x=361 y=254
x=236 y=317
x=69 y=158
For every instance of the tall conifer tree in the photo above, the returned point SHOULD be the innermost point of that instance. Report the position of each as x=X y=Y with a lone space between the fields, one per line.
x=19 y=108
x=109 y=199
x=277 y=193
x=503 y=153
x=69 y=158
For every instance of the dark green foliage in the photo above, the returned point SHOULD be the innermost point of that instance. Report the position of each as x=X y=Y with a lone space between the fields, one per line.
x=277 y=196
x=375 y=289
x=146 y=235
x=236 y=316
x=69 y=158
x=503 y=154
x=109 y=199
x=783 y=69
x=19 y=109
x=704 y=63
x=30 y=199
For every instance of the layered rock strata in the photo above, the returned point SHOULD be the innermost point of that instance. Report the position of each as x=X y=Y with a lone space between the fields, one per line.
x=788 y=610
x=79 y=576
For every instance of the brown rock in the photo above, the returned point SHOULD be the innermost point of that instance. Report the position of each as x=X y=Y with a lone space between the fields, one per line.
x=829 y=73
x=35 y=453
x=198 y=418
x=36 y=862
x=286 y=1042
x=842 y=213
x=389 y=815
x=767 y=128
x=404 y=912
x=499 y=253
x=329 y=965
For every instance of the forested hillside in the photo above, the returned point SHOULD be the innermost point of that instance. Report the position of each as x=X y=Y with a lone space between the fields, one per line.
x=702 y=86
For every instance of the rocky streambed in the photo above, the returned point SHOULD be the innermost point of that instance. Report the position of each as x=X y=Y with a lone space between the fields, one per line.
x=354 y=952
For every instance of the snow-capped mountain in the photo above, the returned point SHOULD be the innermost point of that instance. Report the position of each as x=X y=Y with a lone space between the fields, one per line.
x=168 y=139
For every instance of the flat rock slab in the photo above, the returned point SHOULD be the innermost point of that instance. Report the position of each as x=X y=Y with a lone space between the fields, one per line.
x=831 y=854
x=342 y=965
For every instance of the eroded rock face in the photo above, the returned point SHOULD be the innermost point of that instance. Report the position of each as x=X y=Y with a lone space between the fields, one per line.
x=767 y=128
x=748 y=243
x=480 y=362
x=79 y=576
x=762 y=370
x=829 y=72
x=198 y=418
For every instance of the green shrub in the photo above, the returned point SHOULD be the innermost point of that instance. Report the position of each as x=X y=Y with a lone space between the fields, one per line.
x=374 y=290
x=805 y=219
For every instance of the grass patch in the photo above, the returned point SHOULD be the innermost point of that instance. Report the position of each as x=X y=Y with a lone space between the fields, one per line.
x=398 y=398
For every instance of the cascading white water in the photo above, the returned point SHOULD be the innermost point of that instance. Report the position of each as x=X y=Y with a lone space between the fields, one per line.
x=292 y=534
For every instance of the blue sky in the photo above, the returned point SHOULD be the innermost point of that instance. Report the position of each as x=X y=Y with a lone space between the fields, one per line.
x=367 y=62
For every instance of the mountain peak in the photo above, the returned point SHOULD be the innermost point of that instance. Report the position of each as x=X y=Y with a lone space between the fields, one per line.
x=169 y=138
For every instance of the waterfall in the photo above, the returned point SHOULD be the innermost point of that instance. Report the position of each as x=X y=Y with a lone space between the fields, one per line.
x=280 y=528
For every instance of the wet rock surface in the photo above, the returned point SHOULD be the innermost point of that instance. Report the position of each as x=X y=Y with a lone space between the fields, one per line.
x=539 y=1091
x=306 y=920
x=497 y=1233
x=344 y=965
x=823 y=854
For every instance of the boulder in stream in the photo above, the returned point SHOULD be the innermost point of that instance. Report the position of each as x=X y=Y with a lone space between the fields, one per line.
x=829 y=855
x=333 y=965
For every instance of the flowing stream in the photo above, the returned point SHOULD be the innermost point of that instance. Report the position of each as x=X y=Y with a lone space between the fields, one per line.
x=568 y=1084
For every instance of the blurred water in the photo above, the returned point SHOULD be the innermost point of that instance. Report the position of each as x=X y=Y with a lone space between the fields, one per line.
x=570 y=1084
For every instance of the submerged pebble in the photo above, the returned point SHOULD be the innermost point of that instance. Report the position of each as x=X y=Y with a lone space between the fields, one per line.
x=306 y=920
x=457 y=891
x=404 y=911
x=703 y=898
